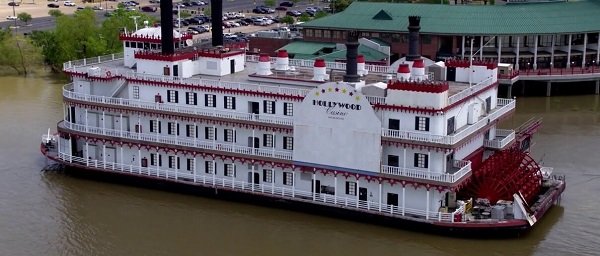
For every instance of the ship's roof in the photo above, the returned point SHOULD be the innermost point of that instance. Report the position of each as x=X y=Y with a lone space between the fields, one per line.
x=510 y=19
x=327 y=51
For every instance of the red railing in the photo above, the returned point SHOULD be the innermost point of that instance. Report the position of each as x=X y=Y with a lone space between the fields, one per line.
x=426 y=86
x=464 y=63
x=560 y=71
x=512 y=75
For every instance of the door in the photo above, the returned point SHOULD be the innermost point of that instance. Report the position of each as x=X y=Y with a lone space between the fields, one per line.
x=316 y=186
x=362 y=194
x=254 y=107
x=392 y=199
x=256 y=179
x=72 y=120
x=450 y=126
x=488 y=104
x=450 y=161
x=393 y=161
x=253 y=142
x=175 y=70
x=125 y=123
x=232 y=66
x=451 y=74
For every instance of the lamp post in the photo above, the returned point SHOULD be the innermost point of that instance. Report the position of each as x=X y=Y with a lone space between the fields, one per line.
x=572 y=67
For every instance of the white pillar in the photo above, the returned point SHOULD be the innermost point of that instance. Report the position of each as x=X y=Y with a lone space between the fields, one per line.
x=357 y=191
x=499 y=38
x=121 y=124
x=194 y=135
x=103 y=123
x=140 y=160
x=585 y=38
x=518 y=52
x=70 y=147
x=195 y=169
x=69 y=114
x=404 y=160
x=122 y=160
x=569 y=51
x=552 y=51
x=403 y=200
x=535 y=52
x=293 y=182
x=176 y=132
x=380 y=195
x=273 y=180
x=176 y=165
x=87 y=153
x=462 y=48
x=65 y=114
x=481 y=48
x=214 y=137
x=104 y=156
x=253 y=141
x=427 y=207
x=140 y=126
x=335 y=188
x=86 y=120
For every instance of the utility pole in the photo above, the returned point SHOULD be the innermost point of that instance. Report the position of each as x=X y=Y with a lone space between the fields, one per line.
x=135 y=21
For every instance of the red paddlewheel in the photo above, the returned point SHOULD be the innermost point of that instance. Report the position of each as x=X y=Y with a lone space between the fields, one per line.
x=503 y=174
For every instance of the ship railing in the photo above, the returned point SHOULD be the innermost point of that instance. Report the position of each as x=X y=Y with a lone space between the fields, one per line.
x=471 y=90
x=504 y=106
x=464 y=169
x=69 y=65
x=212 y=112
x=182 y=141
x=287 y=192
x=376 y=100
x=502 y=139
x=328 y=64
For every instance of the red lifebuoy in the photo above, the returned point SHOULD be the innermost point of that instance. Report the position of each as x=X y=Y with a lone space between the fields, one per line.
x=108 y=73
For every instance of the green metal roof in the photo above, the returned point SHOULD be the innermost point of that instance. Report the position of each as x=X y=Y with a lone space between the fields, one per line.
x=511 y=19
x=309 y=48
x=369 y=53
x=312 y=50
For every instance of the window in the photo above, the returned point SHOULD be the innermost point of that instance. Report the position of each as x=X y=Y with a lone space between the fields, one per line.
x=210 y=100
x=229 y=135
x=155 y=159
x=190 y=131
x=268 y=175
x=155 y=126
x=288 y=178
x=191 y=98
x=350 y=188
x=394 y=124
x=190 y=164
x=210 y=167
x=269 y=107
x=229 y=102
x=173 y=162
x=421 y=123
x=393 y=161
x=136 y=92
x=172 y=96
x=421 y=160
x=326 y=34
x=172 y=128
x=288 y=143
x=127 y=44
x=210 y=133
x=230 y=170
x=288 y=109
x=308 y=32
x=268 y=140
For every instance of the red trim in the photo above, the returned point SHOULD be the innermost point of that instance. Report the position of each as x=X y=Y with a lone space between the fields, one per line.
x=418 y=63
x=319 y=63
x=466 y=63
x=360 y=58
x=207 y=53
x=263 y=57
x=404 y=68
x=282 y=53
x=426 y=86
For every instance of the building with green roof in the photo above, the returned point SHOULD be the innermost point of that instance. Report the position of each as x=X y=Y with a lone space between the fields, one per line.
x=530 y=35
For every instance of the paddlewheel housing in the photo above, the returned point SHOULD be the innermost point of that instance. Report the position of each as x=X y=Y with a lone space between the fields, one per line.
x=503 y=174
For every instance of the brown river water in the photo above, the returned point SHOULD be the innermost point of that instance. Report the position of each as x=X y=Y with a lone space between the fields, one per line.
x=50 y=213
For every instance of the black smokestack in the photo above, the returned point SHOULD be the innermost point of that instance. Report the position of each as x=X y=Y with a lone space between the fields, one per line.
x=216 y=16
x=413 y=37
x=351 y=53
x=166 y=26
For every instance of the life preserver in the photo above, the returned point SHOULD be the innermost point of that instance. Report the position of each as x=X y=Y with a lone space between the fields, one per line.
x=108 y=73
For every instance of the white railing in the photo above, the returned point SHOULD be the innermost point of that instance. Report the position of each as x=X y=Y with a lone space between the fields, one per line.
x=465 y=167
x=503 y=138
x=375 y=99
x=182 y=141
x=470 y=91
x=92 y=61
x=504 y=106
x=289 y=192
x=329 y=64
x=211 y=112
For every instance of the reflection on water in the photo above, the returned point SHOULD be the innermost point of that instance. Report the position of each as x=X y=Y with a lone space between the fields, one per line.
x=49 y=213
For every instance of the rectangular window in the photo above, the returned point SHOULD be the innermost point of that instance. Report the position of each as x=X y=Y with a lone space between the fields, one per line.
x=173 y=162
x=269 y=107
x=172 y=96
x=172 y=128
x=190 y=131
x=351 y=188
x=288 y=178
x=229 y=102
x=288 y=109
x=421 y=123
x=421 y=160
x=190 y=164
x=230 y=135
x=191 y=98
x=326 y=34
x=155 y=126
x=209 y=167
x=210 y=100
x=288 y=143
x=230 y=170
x=394 y=124
x=153 y=159
x=210 y=133
x=268 y=175
x=393 y=160
x=126 y=44
x=136 y=92
x=268 y=140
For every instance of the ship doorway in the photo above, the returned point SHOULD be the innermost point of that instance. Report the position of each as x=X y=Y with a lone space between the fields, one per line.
x=256 y=179
x=392 y=199
x=254 y=107
x=175 y=70
x=450 y=126
x=72 y=119
x=253 y=142
x=362 y=194
x=232 y=66
x=450 y=163
x=316 y=186
x=451 y=74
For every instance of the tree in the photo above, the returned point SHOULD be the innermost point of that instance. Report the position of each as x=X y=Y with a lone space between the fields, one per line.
x=320 y=14
x=287 y=20
x=18 y=53
x=270 y=3
x=55 y=13
x=207 y=11
x=340 y=5
x=304 y=17
x=185 y=14
x=24 y=17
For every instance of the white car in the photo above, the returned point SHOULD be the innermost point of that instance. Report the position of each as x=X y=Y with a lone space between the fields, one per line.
x=11 y=17
x=68 y=3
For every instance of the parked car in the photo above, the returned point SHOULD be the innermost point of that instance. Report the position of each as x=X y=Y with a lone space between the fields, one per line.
x=68 y=3
x=287 y=4
x=11 y=17
x=97 y=8
x=281 y=8
x=155 y=1
x=53 y=5
x=148 y=9
x=13 y=3
x=293 y=13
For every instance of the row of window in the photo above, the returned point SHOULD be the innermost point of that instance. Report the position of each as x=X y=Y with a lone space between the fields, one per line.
x=420 y=160
x=229 y=102
x=210 y=133
x=421 y=124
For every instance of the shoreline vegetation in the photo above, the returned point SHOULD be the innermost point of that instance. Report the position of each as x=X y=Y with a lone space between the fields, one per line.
x=76 y=36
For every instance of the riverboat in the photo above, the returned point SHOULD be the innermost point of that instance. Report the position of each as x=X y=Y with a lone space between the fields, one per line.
x=411 y=144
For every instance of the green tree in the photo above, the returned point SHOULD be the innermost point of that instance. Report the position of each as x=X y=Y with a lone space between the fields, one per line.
x=24 y=17
x=320 y=14
x=18 y=53
x=185 y=14
x=270 y=3
x=55 y=13
x=304 y=17
x=287 y=20
x=207 y=11
x=340 y=5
